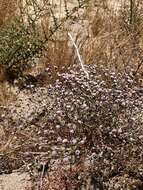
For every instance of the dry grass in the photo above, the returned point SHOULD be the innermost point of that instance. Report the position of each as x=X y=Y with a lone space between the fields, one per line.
x=7 y=11
x=103 y=36
x=7 y=93
x=110 y=42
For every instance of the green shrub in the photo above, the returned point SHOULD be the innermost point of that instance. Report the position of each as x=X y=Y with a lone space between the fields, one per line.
x=25 y=38
x=18 y=45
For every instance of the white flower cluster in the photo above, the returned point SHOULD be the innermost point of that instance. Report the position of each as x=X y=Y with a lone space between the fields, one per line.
x=78 y=117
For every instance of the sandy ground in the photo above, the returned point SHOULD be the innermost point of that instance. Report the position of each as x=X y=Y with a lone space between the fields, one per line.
x=15 y=181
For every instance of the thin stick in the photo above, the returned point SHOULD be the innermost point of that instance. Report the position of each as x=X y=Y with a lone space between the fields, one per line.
x=79 y=56
x=42 y=175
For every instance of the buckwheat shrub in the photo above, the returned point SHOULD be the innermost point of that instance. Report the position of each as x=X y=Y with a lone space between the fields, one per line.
x=96 y=122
